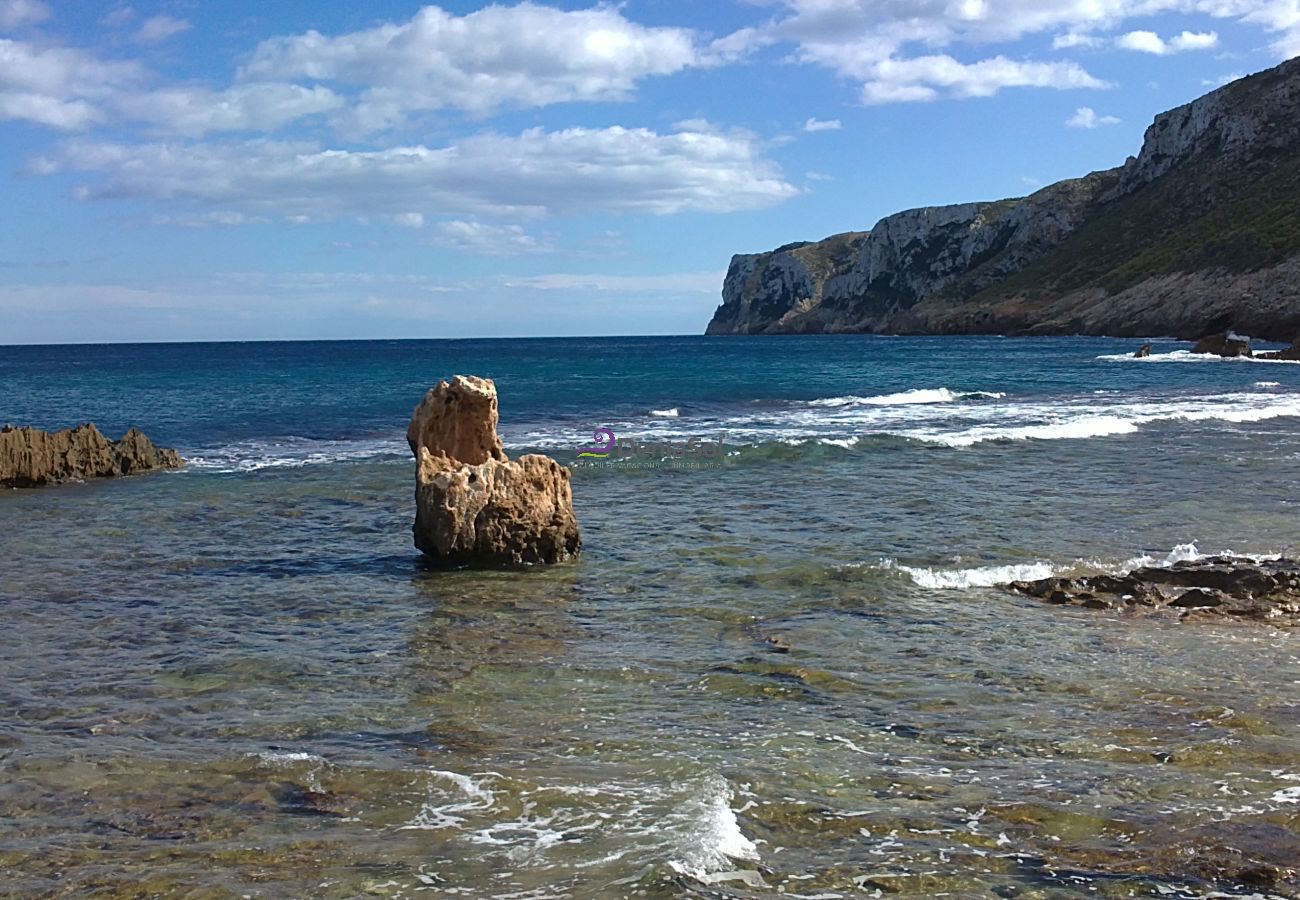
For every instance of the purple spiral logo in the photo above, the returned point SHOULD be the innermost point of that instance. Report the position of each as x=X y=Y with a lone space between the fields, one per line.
x=602 y=445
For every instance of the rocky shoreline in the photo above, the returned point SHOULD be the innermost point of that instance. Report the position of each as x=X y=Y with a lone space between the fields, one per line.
x=30 y=457
x=1218 y=588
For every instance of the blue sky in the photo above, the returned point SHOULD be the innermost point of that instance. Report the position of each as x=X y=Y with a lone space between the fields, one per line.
x=239 y=171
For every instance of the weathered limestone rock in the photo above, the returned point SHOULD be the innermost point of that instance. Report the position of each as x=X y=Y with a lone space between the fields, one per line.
x=30 y=457
x=473 y=505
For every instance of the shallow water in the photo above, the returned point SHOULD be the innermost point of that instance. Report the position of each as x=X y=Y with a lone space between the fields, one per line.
x=240 y=680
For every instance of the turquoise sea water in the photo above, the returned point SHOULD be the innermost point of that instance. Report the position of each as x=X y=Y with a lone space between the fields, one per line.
x=240 y=680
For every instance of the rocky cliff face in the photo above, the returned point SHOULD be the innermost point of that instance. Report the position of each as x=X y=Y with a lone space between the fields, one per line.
x=1199 y=233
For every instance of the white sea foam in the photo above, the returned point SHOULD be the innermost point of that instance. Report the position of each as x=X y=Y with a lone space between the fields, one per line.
x=979 y=576
x=1187 y=356
x=665 y=413
x=443 y=811
x=287 y=757
x=1081 y=427
x=992 y=576
x=906 y=398
x=1286 y=795
x=712 y=838
x=290 y=453
x=1268 y=384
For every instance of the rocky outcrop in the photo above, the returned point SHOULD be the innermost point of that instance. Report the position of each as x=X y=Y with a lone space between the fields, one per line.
x=1225 y=345
x=473 y=505
x=30 y=457
x=1200 y=233
x=1218 y=587
x=1291 y=353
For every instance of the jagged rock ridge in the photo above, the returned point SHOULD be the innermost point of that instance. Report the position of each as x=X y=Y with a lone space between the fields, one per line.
x=30 y=457
x=1199 y=233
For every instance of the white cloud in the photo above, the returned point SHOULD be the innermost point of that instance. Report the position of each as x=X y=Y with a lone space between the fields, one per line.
x=1074 y=39
x=813 y=125
x=17 y=13
x=159 y=28
x=118 y=17
x=1150 y=42
x=861 y=39
x=1222 y=79
x=1086 y=117
x=497 y=57
x=196 y=111
x=535 y=173
x=673 y=283
x=409 y=219
x=1142 y=42
x=923 y=77
x=484 y=239
x=58 y=87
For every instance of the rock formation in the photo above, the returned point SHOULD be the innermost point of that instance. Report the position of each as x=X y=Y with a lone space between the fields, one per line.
x=1218 y=587
x=1225 y=345
x=1200 y=233
x=30 y=457
x=473 y=505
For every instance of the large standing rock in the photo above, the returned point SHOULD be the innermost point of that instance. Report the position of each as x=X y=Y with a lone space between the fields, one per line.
x=30 y=457
x=473 y=505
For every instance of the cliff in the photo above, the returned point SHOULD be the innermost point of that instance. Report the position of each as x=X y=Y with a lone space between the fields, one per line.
x=1199 y=233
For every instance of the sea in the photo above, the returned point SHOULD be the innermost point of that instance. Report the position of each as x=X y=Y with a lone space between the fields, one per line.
x=785 y=665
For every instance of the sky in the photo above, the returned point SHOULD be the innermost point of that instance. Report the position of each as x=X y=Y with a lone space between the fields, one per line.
x=184 y=170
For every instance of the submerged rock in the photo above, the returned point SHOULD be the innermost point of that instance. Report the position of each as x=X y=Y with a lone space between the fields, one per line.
x=473 y=505
x=30 y=457
x=1217 y=587
x=1289 y=353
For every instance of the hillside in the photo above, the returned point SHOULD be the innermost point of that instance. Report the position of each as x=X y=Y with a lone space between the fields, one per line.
x=1198 y=233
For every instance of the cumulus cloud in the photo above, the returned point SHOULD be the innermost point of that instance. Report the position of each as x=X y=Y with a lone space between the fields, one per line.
x=17 y=13
x=929 y=77
x=894 y=50
x=497 y=57
x=483 y=239
x=535 y=173
x=196 y=111
x=814 y=125
x=1074 y=39
x=159 y=28
x=1086 y=117
x=58 y=87
x=1150 y=42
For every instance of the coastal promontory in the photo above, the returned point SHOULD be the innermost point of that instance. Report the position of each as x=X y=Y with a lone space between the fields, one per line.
x=1197 y=234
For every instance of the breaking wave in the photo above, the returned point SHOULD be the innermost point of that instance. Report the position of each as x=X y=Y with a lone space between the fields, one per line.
x=992 y=576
